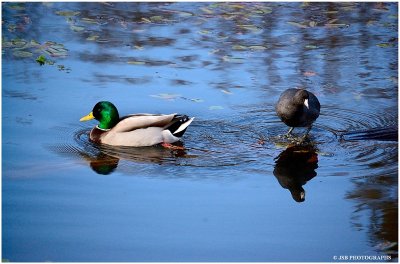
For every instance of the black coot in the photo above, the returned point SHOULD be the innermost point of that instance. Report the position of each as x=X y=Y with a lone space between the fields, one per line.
x=298 y=108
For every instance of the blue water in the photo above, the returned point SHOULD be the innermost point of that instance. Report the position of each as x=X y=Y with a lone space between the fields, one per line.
x=226 y=197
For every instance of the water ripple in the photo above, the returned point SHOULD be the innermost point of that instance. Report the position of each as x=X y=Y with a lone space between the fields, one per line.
x=248 y=141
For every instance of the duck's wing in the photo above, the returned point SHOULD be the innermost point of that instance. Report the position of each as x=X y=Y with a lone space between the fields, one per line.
x=137 y=121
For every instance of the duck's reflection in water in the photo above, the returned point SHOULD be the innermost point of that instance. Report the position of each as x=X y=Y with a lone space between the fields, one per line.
x=103 y=164
x=106 y=159
x=294 y=167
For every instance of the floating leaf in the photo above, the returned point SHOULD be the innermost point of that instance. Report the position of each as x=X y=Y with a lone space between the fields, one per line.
x=348 y=7
x=380 y=9
x=388 y=25
x=137 y=62
x=76 y=28
x=48 y=4
x=54 y=49
x=226 y=91
x=102 y=40
x=203 y=32
x=156 y=19
x=206 y=10
x=252 y=28
x=222 y=37
x=146 y=20
x=7 y=44
x=137 y=30
x=41 y=60
x=332 y=21
x=262 y=11
x=68 y=13
x=11 y=27
x=304 y=4
x=70 y=20
x=280 y=145
x=384 y=45
x=92 y=38
x=63 y=68
x=214 y=51
x=55 y=52
x=236 y=6
x=257 y=47
x=228 y=17
x=196 y=100
x=337 y=25
x=19 y=43
x=89 y=20
x=386 y=245
x=297 y=24
x=239 y=47
x=215 y=107
x=394 y=79
x=357 y=96
x=309 y=73
x=326 y=154
x=22 y=54
x=166 y=96
x=124 y=24
x=215 y=5
x=108 y=4
x=17 y=7
x=232 y=59
x=34 y=43
x=312 y=24
x=178 y=12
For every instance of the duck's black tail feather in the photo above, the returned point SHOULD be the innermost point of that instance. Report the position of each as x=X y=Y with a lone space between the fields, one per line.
x=178 y=125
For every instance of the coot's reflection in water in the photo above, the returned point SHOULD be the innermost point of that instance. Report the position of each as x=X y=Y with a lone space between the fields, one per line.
x=294 y=167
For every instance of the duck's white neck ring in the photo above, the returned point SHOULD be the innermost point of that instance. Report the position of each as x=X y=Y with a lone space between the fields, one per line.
x=102 y=128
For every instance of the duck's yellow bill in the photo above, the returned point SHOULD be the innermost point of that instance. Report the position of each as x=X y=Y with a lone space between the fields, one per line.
x=87 y=117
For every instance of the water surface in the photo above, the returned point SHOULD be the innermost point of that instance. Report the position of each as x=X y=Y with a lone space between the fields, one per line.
x=233 y=194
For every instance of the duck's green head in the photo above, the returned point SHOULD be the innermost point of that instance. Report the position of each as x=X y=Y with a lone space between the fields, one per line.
x=106 y=113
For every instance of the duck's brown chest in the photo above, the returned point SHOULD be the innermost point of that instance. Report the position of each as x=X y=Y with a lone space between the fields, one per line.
x=95 y=135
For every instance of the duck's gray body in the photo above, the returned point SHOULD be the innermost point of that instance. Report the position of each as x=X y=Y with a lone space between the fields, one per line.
x=142 y=130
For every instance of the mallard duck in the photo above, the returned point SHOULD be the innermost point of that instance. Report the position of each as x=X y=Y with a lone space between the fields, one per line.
x=298 y=108
x=137 y=130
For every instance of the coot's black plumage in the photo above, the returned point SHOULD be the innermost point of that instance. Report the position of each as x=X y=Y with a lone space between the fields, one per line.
x=298 y=108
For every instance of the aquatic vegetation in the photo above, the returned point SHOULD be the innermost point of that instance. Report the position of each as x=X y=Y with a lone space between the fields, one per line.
x=41 y=60
x=22 y=48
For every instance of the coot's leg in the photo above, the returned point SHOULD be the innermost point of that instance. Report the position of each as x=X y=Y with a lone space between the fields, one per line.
x=306 y=134
x=289 y=133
